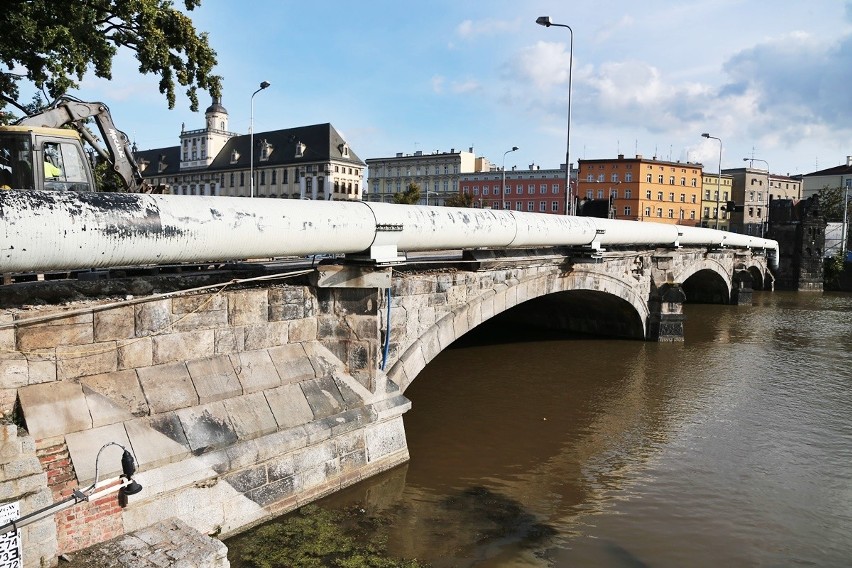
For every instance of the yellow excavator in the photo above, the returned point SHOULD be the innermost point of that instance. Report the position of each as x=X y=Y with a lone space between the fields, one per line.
x=45 y=150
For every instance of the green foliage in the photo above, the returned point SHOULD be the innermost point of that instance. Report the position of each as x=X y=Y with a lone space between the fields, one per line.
x=460 y=200
x=411 y=195
x=318 y=538
x=57 y=43
x=831 y=203
x=832 y=269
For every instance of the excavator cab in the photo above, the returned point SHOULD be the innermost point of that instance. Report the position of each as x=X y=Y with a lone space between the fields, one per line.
x=43 y=158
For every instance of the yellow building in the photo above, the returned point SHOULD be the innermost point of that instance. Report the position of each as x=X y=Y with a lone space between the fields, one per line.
x=716 y=192
x=644 y=189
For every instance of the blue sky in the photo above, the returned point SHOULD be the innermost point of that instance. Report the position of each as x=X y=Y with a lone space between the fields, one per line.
x=772 y=79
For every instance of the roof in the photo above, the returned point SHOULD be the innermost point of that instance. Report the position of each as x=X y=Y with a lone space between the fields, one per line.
x=843 y=169
x=322 y=144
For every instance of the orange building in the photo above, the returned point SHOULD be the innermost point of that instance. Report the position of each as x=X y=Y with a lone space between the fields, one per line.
x=643 y=189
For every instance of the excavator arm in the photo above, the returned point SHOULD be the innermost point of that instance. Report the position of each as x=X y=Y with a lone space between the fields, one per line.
x=115 y=148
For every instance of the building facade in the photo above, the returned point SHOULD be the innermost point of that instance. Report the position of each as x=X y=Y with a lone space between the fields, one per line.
x=715 y=193
x=836 y=177
x=644 y=189
x=438 y=174
x=306 y=162
x=532 y=190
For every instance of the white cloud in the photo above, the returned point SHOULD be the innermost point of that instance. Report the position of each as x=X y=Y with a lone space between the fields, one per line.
x=470 y=29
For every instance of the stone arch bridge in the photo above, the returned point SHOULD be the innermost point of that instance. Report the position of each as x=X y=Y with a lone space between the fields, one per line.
x=243 y=398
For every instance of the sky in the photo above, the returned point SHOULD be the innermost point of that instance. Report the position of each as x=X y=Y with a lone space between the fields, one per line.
x=771 y=78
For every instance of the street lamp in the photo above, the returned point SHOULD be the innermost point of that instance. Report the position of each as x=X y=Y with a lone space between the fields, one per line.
x=263 y=85
x=569 y=201
x=503 y=186
x=719 y=180
x=768 y=188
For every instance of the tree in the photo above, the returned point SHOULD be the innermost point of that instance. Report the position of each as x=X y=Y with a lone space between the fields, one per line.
x=56 y=43
x=460 y=200
x=831 y=203
x=410 y=196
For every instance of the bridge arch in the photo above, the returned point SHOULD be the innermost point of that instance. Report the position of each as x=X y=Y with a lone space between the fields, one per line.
x=617 y=304
x=706 y=281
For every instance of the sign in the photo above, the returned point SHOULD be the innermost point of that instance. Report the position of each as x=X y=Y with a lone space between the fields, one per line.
x=10 y=543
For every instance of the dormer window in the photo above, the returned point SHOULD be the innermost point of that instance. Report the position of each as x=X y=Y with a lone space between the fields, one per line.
x=265 y=150
x=300 y=149
x=344 y=150
x=235 y=156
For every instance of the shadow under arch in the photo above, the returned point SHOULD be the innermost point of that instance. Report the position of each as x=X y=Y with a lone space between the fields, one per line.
x=706 y=282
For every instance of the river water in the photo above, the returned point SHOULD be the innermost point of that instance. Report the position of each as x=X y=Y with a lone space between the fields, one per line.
x=733 y=448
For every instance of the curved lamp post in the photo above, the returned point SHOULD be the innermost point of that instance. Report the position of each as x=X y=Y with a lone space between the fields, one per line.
x=569 y=200
x=719 y=180
x=263 y=85
x=503 y=185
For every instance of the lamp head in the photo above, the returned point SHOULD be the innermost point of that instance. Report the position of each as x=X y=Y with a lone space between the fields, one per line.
x=514 y=148
x=543 y=21
x=264 y=84
x=128 y=468
x=706 y=135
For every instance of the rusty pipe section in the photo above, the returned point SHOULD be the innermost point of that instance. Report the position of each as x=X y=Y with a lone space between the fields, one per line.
x=45 y=230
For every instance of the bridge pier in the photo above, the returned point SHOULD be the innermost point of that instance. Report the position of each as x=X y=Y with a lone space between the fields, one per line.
x=742 y=288
x=665 y=320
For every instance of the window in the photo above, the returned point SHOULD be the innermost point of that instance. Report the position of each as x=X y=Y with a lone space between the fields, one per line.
x=628 y=194
x=671 y=180
x=600 y=194
x=519 y=205
x=683 y=198
x=671 y=213
x=285 y=176
x=681 y=214
x=683 y=181
x=660 y=178
x=627 y=211
x=628 y=176
x=659 y=211
x=262 y=177
x=671 y=196
x=647 y=212
x=542 y=189
x=590 y=177
x=554 y=188
x=726 y=195
x=706 y=212
x=613 y=193
x=613 y=178
x=554 y=206
x=274 y=177
x=692 y=215
x=476 y=190
x=542 y=206
x=530 y=205
x=242 y=179
x=600 y=177
x=707 y=195
x=590 y=193
x=232 y=179
x=648 y=178
x=693 y=198
x=484 y=191
x=694 y=182
x=648 y=194
x=659 y=196
x=531 y=189
x=508 y=190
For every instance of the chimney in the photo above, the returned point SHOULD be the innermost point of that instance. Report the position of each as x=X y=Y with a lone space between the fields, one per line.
x=848 y=161
x=621 y=156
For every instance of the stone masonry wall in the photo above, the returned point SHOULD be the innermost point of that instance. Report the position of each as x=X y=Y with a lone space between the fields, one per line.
x=237 y=404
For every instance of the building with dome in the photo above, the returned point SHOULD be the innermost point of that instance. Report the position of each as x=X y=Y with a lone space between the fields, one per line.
x=306 y=162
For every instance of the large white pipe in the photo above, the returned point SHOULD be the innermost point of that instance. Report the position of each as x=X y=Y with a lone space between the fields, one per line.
x=45 y=230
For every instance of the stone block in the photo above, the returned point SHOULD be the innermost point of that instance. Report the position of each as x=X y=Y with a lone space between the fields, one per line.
x=385 y=438
x=183 y=346
x=207 y=427
x=289 y=406
x=54 y=409
x=214 y=378
x=167 y=387
x=282 y=312
x=323 y=360
x=82 y=360
x=303 y=330
x=248 y=307
x=274 y=492
x=201 y=320
x=332 y=327
x=281 y=468
x=42 y=367
x=203 y=302
x=14 y=371
x=121 y=388
x=7 y=334
x=323 y=396
x=8 y=397
x=275 y=445
x=255 y=370
x=229 y=340
x=247 y=479
x=153 y=318
x=70 y=330
x=136 y=353
x=413 y=360
x=83 y=447
x=267 y=335
x=114 y=323
x=157 y=440
x=23 y=466
x=251 y=416
x=292 y=363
